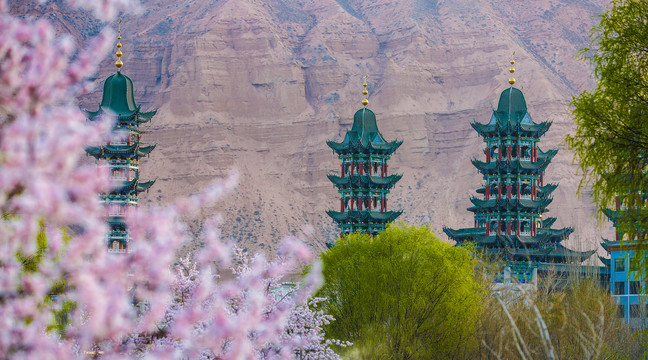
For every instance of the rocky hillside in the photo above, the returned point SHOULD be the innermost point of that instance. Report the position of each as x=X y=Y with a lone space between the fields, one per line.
x=260 y=85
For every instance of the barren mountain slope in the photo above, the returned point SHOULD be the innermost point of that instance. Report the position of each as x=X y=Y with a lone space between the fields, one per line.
x=260 y=85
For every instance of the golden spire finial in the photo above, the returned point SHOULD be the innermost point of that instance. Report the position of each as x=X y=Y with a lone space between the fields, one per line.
x=365 y=102
x=512 y=69
x=119 y=54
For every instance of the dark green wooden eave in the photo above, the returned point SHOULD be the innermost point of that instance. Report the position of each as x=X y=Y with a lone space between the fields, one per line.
x=365 y=181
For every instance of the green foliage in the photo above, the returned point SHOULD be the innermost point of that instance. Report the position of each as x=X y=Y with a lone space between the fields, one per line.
x=581 y=320
x=61 y=307
x=611 y=139
x=403 y=294
x=30 y=262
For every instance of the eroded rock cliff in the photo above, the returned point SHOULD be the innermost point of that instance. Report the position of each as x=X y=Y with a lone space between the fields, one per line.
x=260 y=85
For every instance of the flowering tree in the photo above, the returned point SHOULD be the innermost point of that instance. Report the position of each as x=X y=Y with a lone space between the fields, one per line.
x=302 y=336
x=75 y=285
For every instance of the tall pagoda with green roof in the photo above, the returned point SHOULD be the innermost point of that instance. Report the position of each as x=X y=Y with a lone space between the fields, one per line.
x=364 y=182
x=508 y=212
x=122 y=152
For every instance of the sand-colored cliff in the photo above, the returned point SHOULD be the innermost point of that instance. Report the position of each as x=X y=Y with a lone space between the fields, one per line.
x=260 y=85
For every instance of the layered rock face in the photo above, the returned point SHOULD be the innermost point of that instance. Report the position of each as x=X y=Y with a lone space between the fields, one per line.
x=260 y=85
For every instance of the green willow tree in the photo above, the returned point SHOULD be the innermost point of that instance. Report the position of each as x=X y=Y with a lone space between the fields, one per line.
x=611 y=139
x=403 y=294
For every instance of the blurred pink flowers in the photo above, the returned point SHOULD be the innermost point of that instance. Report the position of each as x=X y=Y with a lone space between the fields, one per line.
x=127 y=305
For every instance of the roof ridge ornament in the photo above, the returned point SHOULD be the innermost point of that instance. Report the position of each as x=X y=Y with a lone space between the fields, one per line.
x=512 y=69
x=119 y=54
x=365 y=102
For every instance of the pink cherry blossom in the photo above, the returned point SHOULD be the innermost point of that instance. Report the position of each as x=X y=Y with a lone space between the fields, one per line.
x=68 y=298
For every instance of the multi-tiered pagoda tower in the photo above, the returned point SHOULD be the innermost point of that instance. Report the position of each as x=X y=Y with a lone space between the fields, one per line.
x=122 y=152
x=509 y=212
x=364 y=182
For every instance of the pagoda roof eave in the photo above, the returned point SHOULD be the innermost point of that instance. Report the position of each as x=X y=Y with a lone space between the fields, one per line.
x=503 y=126
x=546 y=190
x=385 y=217
x=556 y=235
x=378 y=181
x=606 y=262
x=145 y=186
x=612 y=215
x=566 y=255
x=607 y=244
x=145 y=150
x=547 y=222
x=464 y=233
x=126 y=187
x=509 y=166
x=91 y=114
x=147 y=116
x=559 y=254
x=348 y=146
x=480 y=204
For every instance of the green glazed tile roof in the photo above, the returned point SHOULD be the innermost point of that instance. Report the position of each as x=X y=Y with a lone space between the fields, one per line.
x=364 y=216
x=496 y=205
x=511 y=101
x=364 y=136
x=511 y=167
x=118 y=95
x=548 y=222
x=365 y=181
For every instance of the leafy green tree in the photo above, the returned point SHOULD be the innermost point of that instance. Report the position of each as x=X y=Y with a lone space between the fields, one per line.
x=30 y=264
x=403 y=294
x=611 y=139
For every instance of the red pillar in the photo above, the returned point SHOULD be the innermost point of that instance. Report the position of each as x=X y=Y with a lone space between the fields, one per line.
x=518 y=227
x=499 y=153
x=508 y=149
x=518 y=152
x=518 y=192
x=370 y=200
x=508 y=227
x=487 y=227
x=499 y=190
x=508 y=189
x=361 y=168
x=487 y=191
x=498 y=226
x=342 y=205
x=487 y=154
x=342 y=170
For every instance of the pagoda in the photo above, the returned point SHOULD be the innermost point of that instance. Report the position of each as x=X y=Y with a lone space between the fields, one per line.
x=508 y=213
x=364 y=182
x=122 y=152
